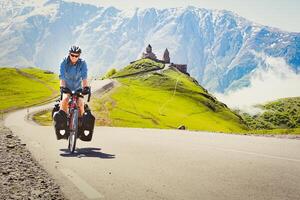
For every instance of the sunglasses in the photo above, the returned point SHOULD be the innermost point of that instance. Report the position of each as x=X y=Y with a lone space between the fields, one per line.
x=75 y=56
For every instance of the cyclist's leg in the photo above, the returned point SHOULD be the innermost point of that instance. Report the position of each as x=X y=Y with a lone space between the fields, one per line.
x=64 y=103
x=81 y=106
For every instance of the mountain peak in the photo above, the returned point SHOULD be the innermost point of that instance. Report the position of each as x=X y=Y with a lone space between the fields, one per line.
x=221 y=48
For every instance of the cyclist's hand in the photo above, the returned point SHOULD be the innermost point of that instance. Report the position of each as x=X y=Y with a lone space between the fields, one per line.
x=63 y=89
x=86 y=90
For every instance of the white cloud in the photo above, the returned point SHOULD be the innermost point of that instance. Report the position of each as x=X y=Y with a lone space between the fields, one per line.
x=276 y=80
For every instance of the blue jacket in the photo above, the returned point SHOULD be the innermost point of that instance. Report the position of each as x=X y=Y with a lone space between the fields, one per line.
x=73 y=74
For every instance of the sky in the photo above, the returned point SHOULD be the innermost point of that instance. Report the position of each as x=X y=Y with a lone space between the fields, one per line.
x=283 y=14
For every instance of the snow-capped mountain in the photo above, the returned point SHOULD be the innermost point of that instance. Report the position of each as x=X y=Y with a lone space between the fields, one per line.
x=222 y=49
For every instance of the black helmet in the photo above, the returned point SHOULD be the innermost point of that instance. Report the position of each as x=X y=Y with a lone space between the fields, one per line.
x=75 y=49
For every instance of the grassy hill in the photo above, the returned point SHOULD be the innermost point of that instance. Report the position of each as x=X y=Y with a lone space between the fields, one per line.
x=138 y=67
x=280 y=116
x=25 y=87
x=165 y=98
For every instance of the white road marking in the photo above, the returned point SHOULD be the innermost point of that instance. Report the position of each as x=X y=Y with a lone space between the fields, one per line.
x=83 y=186
x=258 y=154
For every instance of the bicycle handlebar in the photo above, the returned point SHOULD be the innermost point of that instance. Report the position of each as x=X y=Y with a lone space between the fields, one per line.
x=77 y=92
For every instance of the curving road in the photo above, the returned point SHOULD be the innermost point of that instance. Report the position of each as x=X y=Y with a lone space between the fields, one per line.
x=134 y=163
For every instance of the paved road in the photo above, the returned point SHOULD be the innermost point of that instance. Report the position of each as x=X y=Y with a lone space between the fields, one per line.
x=134 y=163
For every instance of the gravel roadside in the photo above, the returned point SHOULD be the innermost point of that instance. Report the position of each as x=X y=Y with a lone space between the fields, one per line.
x=21 y=177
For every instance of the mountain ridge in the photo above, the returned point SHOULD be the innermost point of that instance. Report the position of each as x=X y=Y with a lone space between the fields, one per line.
x=220 y=47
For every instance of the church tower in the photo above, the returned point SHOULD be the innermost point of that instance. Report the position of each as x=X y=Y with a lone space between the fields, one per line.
x=149 y=53
x=149 y=49
x=166 y=57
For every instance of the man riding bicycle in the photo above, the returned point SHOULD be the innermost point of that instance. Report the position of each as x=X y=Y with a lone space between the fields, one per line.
x=73 y=75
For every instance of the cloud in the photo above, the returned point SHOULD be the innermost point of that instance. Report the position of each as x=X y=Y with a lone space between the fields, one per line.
x=270 y=82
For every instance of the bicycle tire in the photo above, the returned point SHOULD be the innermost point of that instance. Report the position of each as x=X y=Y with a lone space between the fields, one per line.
x=73 y=130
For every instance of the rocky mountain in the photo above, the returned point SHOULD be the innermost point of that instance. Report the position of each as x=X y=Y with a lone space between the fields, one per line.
x=222 y=49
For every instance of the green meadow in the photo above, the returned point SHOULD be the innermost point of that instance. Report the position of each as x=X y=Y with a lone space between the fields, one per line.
x=167 y=99
x=43 y=118
x=25 y=87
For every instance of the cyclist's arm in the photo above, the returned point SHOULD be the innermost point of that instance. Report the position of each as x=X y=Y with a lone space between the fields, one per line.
x=62 y=74
x=62 y=83
x=84 y=83
x=84 y=74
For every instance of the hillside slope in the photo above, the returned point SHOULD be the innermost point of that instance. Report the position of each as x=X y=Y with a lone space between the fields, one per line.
x=165 y=98
x=24 y=87
x=279 y=116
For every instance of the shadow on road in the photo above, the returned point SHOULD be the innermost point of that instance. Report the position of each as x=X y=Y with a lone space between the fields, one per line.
x=87 y=152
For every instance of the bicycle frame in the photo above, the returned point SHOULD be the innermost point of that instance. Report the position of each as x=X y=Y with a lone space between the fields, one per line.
x=73 y=109
x=73 y=117
x=73 y=120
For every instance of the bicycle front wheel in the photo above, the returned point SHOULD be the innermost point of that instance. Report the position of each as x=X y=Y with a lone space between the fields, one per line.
x=72 y=142
x=73 y=131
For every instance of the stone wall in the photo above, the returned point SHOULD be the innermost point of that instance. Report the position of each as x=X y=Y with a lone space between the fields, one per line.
x=180 y=67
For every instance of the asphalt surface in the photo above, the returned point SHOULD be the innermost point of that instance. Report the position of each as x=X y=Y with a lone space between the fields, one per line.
x=135 y=163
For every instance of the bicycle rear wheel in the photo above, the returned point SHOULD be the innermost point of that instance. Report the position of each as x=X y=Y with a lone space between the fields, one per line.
x=73 y=131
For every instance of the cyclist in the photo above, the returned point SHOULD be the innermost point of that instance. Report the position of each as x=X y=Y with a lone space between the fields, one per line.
x=73 y=75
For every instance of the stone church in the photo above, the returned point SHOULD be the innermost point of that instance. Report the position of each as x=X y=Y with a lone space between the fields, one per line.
x=165 y=59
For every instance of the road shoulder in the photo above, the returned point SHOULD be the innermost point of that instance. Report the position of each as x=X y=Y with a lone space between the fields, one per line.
x=21 y=177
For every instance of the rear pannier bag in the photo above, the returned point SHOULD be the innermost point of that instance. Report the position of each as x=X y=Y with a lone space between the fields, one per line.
x=88 y=122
